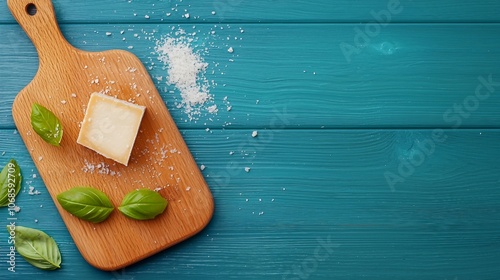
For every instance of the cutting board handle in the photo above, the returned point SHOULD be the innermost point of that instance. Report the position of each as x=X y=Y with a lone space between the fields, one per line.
x=38 y=19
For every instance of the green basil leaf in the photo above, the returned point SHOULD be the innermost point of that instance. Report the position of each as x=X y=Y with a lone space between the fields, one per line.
x=86 y=203
x=46 y=124
x=10 y=182
x=143 y=204
x=36 y=247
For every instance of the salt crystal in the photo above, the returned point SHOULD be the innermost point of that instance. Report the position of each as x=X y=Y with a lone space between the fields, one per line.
x=108 y=33
x=168 y=14
x=36 y=221
x=202 y=167
x=130 y=47
x=213 y=12
x=231 y=153
x=230 y=50
x=146 y=16
x=188 y=189
x=212 y=109
x=63 y=102
x=73 y=95
x=254 y=134
x=247 y=169
x=32 y=191
x=186 y=15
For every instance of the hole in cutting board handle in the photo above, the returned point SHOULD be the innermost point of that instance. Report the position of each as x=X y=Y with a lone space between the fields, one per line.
x=31 y=9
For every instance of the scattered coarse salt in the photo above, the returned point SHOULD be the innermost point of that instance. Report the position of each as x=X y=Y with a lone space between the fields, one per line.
x=202 y=167
x=254 y=133
x=247 y=169
x=32 y=191
x=230 y=50
x=186 y=71
x=187 y=15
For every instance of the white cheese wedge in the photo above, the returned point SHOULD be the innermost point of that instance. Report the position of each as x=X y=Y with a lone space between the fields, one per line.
x=110 y=127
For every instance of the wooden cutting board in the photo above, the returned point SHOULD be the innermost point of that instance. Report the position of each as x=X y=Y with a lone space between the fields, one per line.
x=160 y=158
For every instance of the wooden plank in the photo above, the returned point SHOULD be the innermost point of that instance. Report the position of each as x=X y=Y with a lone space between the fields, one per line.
x=407 y=76
x=315 y=187
x=270 y=11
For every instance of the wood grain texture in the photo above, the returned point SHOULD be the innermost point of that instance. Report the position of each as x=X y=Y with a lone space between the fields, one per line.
x=269 y=11
x=408 y=76
x=441 y=223
x=160 y=158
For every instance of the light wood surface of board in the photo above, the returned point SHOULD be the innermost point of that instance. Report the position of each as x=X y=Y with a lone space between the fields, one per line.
x=160 y=158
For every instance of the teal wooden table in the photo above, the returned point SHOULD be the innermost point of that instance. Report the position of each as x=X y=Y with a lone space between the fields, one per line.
x=377 y=155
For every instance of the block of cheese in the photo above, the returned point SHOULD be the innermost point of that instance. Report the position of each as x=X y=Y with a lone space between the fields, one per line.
x=110 y=127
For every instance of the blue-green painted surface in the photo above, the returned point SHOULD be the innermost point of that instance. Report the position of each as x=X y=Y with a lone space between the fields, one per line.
x=317 y=202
